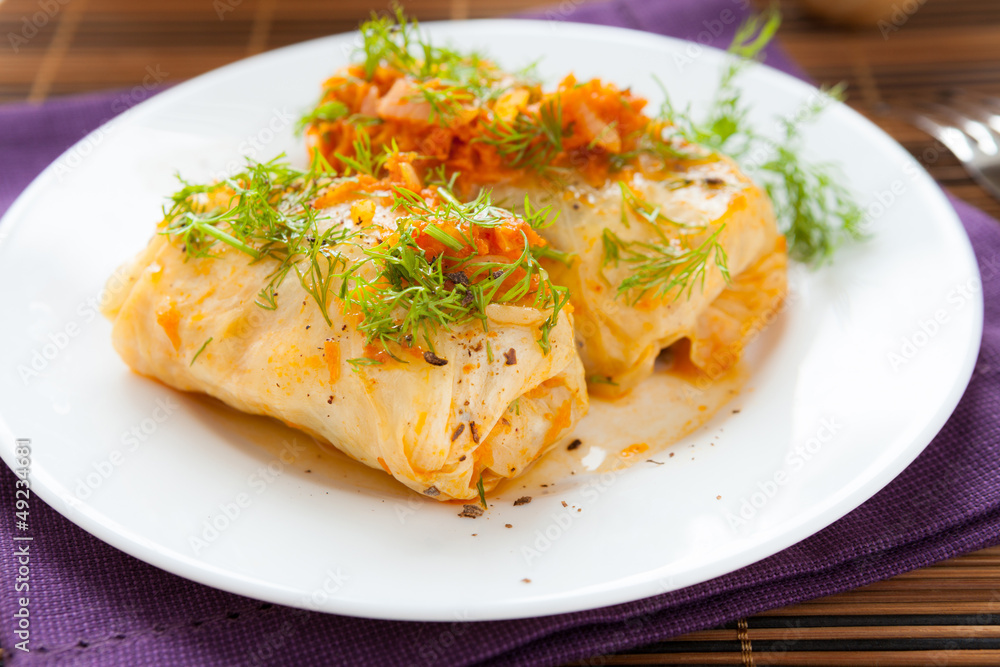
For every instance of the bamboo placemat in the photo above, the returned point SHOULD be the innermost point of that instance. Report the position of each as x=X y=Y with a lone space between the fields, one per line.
x=947 y=614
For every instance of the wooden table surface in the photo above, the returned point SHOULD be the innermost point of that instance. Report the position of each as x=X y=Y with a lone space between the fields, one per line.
x=946 y=614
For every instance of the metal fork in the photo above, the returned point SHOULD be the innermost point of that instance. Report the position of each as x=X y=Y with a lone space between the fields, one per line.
x=970 y=128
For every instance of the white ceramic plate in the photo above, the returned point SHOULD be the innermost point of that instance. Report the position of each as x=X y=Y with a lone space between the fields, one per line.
x=829 y=418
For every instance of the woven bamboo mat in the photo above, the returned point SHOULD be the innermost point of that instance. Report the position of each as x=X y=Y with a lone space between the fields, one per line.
x=947 y=614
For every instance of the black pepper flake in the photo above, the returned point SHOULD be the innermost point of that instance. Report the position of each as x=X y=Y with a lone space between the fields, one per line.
x=736 y=412
x=475 y=432
x=343 y=328
x=510 y=357
x=308 y=326
x=433 y=359
x=573 y=445
x=431 y=491
x=478 y=347
x=471 y=511
x=458 y=277
x=468 y=298
x=523 y=500
x=712 y=180
x=497 y=274
x=457 y=432
x=329 y=401
x=461 y=458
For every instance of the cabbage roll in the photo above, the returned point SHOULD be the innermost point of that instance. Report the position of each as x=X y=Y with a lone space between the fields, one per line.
x=652 y=228
x=418 y=334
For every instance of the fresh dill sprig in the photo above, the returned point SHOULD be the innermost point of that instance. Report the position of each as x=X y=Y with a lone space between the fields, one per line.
x=444 y=78
x=358 y=363
x=365 y=160
x=666 y=265
x=659 y=269
x=403 y=293
x=265 y=212
x=530 y=141
x=647 y=211
x=400 y=289
x=482 y=492
x=200 y=350
x=815 y=211
x=325 y=111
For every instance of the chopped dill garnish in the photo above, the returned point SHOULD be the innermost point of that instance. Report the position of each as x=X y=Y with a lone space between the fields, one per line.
x=530 y=141
x=515 y=406
x=325 y=111
x=401 y=290
x=662 y=268
x=444 y=78
x=482 y=492
x=404 y=293
x=633 y=203
x=265 y=212
x=365 y=161
x=815 y=211
x=359 y=362
x=200 y=350
x=601 y=379
x=489 y=353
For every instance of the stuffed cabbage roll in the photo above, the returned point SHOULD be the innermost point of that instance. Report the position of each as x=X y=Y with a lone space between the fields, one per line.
x=417 y=334
x=652 y=228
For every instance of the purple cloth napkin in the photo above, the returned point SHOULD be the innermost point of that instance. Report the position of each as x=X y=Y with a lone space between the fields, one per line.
x=94 y=605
